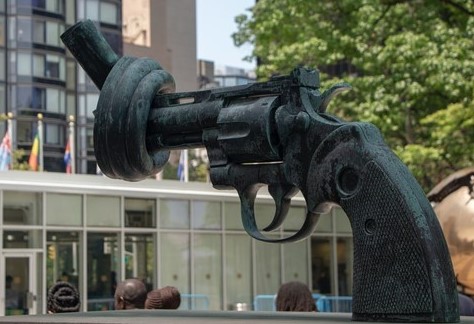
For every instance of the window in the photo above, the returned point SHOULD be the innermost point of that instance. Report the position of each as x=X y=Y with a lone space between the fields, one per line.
x=54 y=134
x=24 y=30
x=24 y=64
x=206 y=214
x=103 y=211
x=140 y=212
x=92 y=10
x=63 y=251
x=2 y=30
x=56 y=6
x=140 y=258
x=174 y=213
x=64 y=209
x=109 y=13
x=49 y=99
x=102 y=265
x=22 y=208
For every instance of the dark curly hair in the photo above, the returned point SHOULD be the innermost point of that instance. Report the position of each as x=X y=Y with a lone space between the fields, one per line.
x=63 y=298
x=295 y=296
x=165 y=298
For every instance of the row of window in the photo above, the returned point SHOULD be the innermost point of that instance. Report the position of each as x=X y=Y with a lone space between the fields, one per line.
x=105 y=211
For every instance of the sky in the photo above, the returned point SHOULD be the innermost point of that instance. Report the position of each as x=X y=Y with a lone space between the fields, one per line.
x=215 y=25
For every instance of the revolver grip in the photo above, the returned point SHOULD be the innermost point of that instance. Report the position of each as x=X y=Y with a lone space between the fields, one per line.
x=402 y=267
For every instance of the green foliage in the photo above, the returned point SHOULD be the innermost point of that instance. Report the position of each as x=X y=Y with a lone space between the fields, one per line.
x=20 y=160
x=410 y=65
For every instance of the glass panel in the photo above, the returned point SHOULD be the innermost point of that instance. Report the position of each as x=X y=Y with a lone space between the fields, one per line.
x=140 y=258
x=38 y=65
x=71 y=104
x=24 y=97
x=24 y=30
x=264 y=214
x=22 y=239
x=38 y=32
x=103 y=211
x=70 y=14
x=174 y=213
x=102 y=265
x=140 y=212
x=295 y=219
x=24 y=64
x=39 y=98
x=52 y=66
x=63 y=209
x=343 y=225
x=62 y=260
x=2 y=66
x=17 y=284
x=206 y=214
x=92 y=99
x=321 y=265
x=268 y=266
x=207 y=259
x=345 y=260
x=296 y=261
x=71 y=75
x=52 y=33
x=2 y=31
x=324 y=223
x=52 y=100
x=108 y=13
x=174 y=265
x=22 y=208
x=238 y=265
x=92 y=10
x=232 y=218
x=2 y=96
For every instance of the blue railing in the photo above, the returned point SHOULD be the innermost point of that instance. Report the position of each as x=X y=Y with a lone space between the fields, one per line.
x=194 y=302
x=337 y=304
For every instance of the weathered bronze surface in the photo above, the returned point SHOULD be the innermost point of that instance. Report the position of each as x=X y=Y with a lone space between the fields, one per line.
x=277 y=133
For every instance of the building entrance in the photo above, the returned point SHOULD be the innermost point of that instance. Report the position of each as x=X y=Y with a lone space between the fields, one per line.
x=19 y=293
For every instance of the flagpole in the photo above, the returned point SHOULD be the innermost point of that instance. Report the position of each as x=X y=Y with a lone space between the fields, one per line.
x=40 y=137
x=9 y=129
x=72 y=143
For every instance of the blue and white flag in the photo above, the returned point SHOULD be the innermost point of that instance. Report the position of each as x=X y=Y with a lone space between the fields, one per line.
x=181 y=167
x=5 y=153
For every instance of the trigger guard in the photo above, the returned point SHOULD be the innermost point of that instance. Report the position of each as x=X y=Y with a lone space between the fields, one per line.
x=247 y=202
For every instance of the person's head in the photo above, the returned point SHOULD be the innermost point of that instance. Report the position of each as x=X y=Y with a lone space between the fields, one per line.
x=165 y=298
x=8 y=281
x=295 y=296
x=63 y=298
x=130 y=294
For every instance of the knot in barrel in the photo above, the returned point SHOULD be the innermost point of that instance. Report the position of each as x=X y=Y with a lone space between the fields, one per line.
x=121 y=119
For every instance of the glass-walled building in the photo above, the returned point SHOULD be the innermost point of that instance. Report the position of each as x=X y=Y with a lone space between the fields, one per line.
x=38 y=75
x=93 y=232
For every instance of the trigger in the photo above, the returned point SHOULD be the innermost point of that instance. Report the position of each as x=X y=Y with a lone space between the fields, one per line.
x=282 y=194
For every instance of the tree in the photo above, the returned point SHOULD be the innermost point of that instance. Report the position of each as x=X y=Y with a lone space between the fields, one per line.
x=410 y=64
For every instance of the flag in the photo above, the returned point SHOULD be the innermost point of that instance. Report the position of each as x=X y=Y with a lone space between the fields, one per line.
x=181 y=166
x=67 y=157
x=33 y=161
x=5 y=152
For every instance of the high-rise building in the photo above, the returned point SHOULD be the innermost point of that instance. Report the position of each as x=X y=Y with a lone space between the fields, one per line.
x=165 y=31
x=38 y=75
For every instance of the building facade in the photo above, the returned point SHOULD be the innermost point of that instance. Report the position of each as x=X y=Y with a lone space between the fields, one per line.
x=38 y=75
x=94 y=231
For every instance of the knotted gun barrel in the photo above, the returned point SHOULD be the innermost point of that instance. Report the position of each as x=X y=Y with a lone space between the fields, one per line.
x=277 y=133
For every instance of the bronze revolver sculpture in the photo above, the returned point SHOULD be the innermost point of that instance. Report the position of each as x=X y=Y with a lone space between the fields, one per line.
x=277 y=133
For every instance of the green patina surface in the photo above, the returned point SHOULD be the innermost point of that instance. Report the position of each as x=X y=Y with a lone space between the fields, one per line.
x=277 y=133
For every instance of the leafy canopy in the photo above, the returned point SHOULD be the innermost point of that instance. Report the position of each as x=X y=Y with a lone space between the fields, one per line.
x=410 y=63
